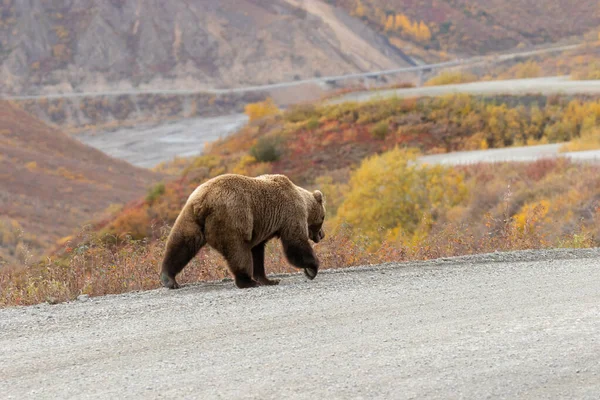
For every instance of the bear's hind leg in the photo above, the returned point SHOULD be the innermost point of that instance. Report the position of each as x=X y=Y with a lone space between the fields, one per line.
x=258 y=266
x=239 y=260
x=180 y=250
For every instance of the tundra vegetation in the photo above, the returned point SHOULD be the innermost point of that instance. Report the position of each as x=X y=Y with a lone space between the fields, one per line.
x=383 y=205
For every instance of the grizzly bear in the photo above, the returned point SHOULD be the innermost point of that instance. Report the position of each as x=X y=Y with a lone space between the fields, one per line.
x=237 y=215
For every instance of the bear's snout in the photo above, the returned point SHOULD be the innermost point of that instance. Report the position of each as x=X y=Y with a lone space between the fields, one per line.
x=317 y=236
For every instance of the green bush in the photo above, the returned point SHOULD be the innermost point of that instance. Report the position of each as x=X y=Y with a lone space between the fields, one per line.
x=380 y=130
x=266 y=149
x=313 y=123
x=155 y=192
x=302 y=112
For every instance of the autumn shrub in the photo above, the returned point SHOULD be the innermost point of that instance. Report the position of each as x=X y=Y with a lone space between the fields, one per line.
x=266 y=149
x=261 y=109
x=379 y=110
x=590 y=71
x=335 y=193
x=528 y=69
x=302 y=112
x=589 y=140
x=313 y=123
x=380 y=130
x=345 y=112
x=392 y=210
x=451 y=78
x=155 y=192
x=390 y=195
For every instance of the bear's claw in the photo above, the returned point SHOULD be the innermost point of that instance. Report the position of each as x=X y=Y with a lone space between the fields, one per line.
x=169 y=282
x=310 y=273
x=267 y=281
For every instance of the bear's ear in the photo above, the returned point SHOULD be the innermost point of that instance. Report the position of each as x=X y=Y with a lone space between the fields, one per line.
x=318 y=196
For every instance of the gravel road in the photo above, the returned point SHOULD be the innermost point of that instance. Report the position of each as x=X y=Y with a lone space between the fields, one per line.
x=545 y=86
x=503 y=325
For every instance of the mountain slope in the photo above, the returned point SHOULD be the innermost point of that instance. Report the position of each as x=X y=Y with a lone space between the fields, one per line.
x=475 y=27
x=95 y=44
x=50 y=184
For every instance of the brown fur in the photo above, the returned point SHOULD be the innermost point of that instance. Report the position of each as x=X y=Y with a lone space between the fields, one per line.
x=237 y=216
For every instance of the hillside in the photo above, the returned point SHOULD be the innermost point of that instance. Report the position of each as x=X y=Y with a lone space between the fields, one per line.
x=51 y=184
x=474 y=27
x=323 y=145
x=381 y=206
x=92 y=45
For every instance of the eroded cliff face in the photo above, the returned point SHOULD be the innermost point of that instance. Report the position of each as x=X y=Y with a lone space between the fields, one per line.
x=94 y=45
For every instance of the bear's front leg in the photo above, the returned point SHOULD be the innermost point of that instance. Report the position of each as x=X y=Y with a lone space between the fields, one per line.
x=258 y=266
x=301 y=255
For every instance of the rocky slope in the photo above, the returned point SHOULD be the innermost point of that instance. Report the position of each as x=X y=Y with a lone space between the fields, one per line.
x=478 y=26
x=91 y=45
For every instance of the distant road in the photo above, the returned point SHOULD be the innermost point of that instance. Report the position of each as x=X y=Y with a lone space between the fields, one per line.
x=525 y=153
x=454 y=63
x=502 y=326
x=545 y=86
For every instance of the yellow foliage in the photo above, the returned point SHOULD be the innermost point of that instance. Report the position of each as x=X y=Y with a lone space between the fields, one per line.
x=504 y=124
x=529 y=69
x=31 y=166
x=249 y=166
x=590 y=71
x=389 y=24
x=476 y=142
x=261 y=109
x=64 y=240
x=451 y=78
x=334 y=192
x=530 y=214
x=424 y=33
x=242 y=166
x=401 y=23
x=359 y=9
x=389 y=196
x=589 y=140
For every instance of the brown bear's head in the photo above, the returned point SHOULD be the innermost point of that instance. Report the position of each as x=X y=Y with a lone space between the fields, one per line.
x=316 y=216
